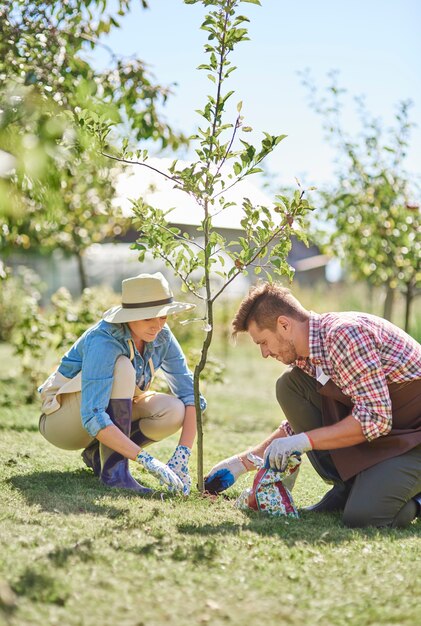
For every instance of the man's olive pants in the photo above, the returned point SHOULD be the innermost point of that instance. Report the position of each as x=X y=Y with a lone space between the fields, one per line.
x=380 y=495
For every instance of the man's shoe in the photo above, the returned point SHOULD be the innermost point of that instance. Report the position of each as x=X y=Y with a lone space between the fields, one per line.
x=333 y=500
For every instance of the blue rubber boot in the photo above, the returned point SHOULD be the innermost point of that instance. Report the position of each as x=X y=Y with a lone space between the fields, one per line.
x=114 y=470
x=90 y=455
x=418 y=504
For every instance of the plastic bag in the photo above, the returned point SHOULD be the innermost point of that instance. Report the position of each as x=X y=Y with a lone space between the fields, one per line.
x=268 y=494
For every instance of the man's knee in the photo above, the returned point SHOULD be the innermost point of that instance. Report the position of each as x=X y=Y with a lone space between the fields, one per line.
x=362 y=516
x=285 y=385
x=358 y=517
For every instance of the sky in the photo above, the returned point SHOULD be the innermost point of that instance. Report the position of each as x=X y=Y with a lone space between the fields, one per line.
x=374 y=44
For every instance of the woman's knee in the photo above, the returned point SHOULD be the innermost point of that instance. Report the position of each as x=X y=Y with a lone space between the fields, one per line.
x=172 y=413
x=165 y=420
x=124 y=378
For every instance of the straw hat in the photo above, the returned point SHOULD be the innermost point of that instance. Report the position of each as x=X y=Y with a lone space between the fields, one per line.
x=143 y=297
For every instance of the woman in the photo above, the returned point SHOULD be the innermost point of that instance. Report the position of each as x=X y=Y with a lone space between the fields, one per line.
x=99 y=399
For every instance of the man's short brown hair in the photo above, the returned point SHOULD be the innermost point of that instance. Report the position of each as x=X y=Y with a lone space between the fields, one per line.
x=264 y=304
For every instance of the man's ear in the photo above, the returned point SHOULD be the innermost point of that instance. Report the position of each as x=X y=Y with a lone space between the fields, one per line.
x=283 y=324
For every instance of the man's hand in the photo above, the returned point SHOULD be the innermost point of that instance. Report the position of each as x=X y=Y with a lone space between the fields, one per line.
x=162 y=472
x=178 y=463
x=224 y=475
x=279 y=451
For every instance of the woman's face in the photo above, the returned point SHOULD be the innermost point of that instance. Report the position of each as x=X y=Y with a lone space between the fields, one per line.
x=147 y=330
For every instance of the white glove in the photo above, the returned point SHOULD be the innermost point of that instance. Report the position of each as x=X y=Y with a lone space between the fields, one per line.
x=178 y=463
x=224 y=474
x=278 y=452
x=162 y=472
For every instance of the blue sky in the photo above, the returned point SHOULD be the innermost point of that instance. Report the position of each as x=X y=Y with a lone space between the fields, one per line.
x=375 y=45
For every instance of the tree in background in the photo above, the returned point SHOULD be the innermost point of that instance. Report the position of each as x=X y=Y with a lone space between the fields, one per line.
x=374 y=225
x=56 y=190
x=209 y=263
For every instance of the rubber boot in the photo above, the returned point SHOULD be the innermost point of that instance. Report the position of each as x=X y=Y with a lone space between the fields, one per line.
x=138 y=437
x=335 y=499
x=90 y=455
x=417 y=500
x=115 y=467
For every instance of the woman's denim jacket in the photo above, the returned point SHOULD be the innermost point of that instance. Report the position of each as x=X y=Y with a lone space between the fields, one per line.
x=96 y=352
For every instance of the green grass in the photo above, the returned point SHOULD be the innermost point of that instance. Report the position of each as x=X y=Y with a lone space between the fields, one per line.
x=73 y=553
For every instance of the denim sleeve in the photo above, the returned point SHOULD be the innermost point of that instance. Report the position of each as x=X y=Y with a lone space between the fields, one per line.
x=99 y=356
x=178 y=375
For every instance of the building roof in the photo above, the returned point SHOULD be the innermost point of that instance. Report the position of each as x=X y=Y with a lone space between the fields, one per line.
x=139 y=181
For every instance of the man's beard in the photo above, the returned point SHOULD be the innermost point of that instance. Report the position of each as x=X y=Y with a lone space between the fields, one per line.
x=287 y=352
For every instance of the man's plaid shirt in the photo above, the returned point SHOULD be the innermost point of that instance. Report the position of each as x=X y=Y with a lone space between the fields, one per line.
x=362 y=353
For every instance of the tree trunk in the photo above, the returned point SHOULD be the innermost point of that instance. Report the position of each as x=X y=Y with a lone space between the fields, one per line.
x=388 y=303
x=196 y=385
x=409 y=295
x=83 y=280
x=370 y=297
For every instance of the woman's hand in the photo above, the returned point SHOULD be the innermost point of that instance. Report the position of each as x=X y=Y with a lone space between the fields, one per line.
x=179 y=465
x=162 y=472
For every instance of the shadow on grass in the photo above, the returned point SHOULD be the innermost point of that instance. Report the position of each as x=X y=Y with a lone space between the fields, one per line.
x=313 y=529
x=70 y=493
x=20 y=428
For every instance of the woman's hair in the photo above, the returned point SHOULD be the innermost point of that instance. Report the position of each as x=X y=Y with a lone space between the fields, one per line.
x=264 y=304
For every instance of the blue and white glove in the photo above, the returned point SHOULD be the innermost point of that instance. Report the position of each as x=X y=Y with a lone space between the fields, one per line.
x=162 y=472
x=278 y=452
x=179 y=465
x=224 y=474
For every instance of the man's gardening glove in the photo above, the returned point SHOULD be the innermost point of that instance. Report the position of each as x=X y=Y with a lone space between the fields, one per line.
x=178 y=463
x=224 y=474
x=278 y=452
x=162 y=472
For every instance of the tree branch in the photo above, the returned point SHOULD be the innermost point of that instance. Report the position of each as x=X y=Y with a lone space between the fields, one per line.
x=180 y=237
x=239 y=271
x=121 y=160
x=182 y=278
x=224 y=158
x=240 y=178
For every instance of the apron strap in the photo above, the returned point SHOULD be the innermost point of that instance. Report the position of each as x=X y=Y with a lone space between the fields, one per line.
x=131 y=349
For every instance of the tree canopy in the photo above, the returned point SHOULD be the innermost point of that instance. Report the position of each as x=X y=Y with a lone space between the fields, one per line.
x=53 y=181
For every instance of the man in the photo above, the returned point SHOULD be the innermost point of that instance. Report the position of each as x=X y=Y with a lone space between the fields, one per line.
x=352 y=400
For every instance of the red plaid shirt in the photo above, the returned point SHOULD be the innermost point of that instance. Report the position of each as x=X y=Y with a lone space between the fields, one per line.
x=362 y=353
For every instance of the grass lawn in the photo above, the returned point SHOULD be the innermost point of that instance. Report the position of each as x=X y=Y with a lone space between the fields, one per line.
x=75 y=553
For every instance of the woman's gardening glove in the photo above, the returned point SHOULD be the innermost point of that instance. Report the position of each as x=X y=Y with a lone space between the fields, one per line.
x=179 y=465
x=278 y=452
x=162 y=472
x=224 y=474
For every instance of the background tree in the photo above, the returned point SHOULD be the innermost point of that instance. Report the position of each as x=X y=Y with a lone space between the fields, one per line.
x=209 y=263
x=374 y=224
x=55 y=189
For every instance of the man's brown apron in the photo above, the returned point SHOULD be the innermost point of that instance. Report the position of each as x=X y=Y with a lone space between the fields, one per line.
x=405 y=433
